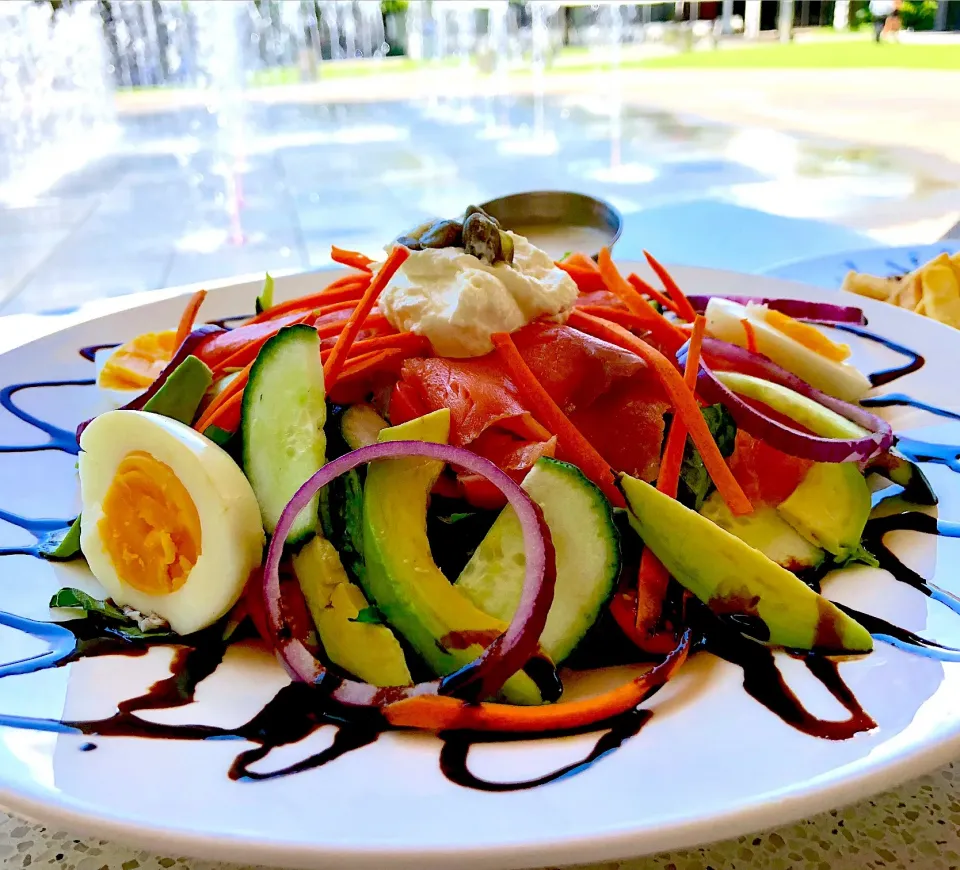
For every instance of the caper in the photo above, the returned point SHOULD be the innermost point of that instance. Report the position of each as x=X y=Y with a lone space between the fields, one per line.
x=506 y=243
x=443 y=234
x=475 y=209
x=481 y=238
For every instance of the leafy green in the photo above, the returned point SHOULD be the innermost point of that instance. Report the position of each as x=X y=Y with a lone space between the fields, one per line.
x=218 y=436
x=695 y=483
x=369 y=615
x=117 y=622
x=454 y=518
x=265 y=299
x=61 y=545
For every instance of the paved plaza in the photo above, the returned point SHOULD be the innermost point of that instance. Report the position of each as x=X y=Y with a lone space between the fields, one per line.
x=740 y=169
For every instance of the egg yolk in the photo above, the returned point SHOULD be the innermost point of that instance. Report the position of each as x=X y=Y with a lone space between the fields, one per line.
x=809 y=336
x=150 y=525
x=137 y=363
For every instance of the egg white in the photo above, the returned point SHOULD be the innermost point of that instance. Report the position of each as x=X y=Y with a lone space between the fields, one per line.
x=232 y=535
x=725 y=321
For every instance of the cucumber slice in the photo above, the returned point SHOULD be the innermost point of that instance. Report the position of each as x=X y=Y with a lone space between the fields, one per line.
x=587 y=544
x=360 y=425
x=284 y=409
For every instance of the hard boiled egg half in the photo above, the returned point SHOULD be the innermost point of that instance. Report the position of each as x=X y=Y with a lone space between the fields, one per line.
x=169 y=523
x=126 y=371
x=798 y=347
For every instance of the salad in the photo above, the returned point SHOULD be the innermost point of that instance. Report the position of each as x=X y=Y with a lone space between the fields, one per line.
x=441 y=482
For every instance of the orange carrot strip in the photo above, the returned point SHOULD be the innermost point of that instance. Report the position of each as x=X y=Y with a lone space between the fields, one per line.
x=682 y=399
x=375 y=322
x=367 y=363
x=587 y=280
x=350 y=258
x=314 y=300
x=237 y=385
x=227 y=416
x=574 y=447
x=189 y=316
x=442 y=713
x=405 y=341
x=627 y=319
x=685 y=309
x=580 y=260
x=661 y=329
x=257 y=335
x=652 y=292
x=355 y=322
x=751 y=335
x=653 y=577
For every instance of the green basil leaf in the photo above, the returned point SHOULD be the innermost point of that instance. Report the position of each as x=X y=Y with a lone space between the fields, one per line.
x=61 y=545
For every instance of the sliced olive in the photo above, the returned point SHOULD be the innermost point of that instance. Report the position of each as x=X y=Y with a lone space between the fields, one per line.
x=443 y=234
x=481 y=238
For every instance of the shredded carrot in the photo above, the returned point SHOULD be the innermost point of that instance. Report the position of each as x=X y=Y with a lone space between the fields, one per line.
x=227 y=415
x=236 y=348
x=579 y=260
x=627 y=319
x=373 y=323
x=407 y=342
x=660 y=328
x=751 y=335
x=587 y=280
x=653 y=292
x=355 y=322
x=441 y=712
x=573 y=446
x=350 y=258
x=682 y=399
x=367 y=363
x=189 y=316
x=343 y=293
x=237 y=385
x=685 y=309
x=652 y=578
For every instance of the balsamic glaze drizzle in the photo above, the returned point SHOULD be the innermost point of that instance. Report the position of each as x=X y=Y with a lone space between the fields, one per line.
x=886 y=376
x=297 y=710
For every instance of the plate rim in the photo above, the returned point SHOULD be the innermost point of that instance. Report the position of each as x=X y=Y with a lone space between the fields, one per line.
x=836 y=788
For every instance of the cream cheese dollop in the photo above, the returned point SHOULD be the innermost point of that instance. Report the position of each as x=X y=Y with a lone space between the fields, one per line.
x=458 y=301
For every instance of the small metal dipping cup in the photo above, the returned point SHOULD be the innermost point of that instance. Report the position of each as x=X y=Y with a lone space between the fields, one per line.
x=559 y=221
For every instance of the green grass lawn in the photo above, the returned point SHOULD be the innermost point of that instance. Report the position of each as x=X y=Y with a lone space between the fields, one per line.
x=826 y=54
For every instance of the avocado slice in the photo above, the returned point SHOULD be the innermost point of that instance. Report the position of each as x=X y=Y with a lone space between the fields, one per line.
x=436 y=618
x=182 y=392
x=808 y=413
x=765 y=530
x=737 y=581
x=830 y=508
x=367 y=650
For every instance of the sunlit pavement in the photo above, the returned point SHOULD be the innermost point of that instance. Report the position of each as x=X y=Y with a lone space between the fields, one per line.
x=733 y=169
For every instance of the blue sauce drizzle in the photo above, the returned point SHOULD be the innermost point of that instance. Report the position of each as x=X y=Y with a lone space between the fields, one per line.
x=42 y=530
x=59 y=439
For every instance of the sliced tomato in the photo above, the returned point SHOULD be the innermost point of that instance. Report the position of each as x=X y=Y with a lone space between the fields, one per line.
x=767 y=475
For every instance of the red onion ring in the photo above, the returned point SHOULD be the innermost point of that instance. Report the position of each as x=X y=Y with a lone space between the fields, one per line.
x=187 y=347
x=802 y=309
x=783 y=438
x=500 y=660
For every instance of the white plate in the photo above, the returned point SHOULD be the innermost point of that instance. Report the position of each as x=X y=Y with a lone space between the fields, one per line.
x=711 y=763
x=829 y=271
